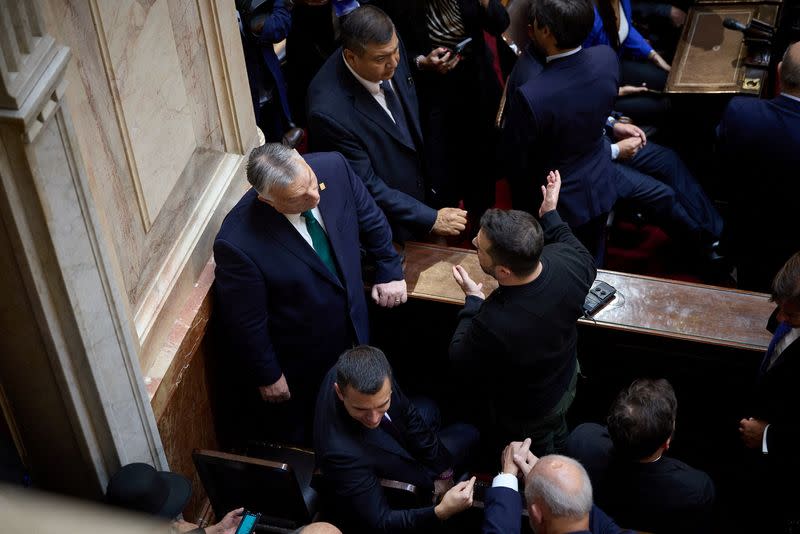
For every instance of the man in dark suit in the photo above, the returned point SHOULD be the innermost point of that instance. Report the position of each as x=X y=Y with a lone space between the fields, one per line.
x=362 y=103
x=366 y=429
x=558 y=495
x=288 y=277
x=633 y=480
x=761 y=139
x=521 y=342
x=772 y=428
x=556 y=121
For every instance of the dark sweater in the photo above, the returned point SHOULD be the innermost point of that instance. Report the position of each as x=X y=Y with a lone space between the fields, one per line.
x=524 y=337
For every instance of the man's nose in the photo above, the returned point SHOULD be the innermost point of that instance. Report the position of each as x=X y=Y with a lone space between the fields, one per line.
x=375 y=418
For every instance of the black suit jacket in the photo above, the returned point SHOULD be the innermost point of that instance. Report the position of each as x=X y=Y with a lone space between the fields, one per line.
x=759 y=144
x=556 y=121
x=344 y=117
x=777 y=401
x=662 y=496
x=353 y=458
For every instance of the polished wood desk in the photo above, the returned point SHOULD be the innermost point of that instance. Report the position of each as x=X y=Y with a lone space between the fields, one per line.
x=646 y=305
x=712 y=59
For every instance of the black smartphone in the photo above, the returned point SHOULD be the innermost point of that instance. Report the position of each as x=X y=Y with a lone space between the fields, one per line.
x=248 y=522
x=600 y=295
x=460 y=46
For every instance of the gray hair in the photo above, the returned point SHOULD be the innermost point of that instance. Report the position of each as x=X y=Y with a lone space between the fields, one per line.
x=786 y=285
x=271 y=165
x=790 y=70
x=561 y=485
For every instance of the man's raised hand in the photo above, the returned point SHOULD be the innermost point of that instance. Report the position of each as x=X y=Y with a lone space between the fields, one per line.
x=550 y=193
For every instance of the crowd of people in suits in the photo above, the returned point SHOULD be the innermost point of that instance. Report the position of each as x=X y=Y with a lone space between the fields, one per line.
x=403 y=146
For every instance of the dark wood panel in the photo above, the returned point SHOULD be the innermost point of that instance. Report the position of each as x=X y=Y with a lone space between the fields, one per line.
x=653 y=306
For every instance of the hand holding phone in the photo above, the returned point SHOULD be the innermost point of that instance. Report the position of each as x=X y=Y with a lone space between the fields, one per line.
x=248 y=522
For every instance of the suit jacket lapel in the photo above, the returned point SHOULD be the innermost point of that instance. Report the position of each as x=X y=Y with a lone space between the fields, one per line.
x=403 y=86
x=366 y=104
x=281 y=229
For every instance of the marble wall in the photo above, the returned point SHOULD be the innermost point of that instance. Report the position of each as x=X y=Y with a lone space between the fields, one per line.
x=163 y=119
x=124 y=128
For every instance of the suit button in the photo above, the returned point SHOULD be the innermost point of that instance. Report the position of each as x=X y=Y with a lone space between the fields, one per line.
x=419 y=184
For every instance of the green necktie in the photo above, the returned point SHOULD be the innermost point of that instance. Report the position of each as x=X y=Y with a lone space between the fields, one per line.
x=320 y=241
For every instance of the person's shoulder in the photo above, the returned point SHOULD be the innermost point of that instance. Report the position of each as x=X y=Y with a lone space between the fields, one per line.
x=740 y=107
x=601 y=52
x=326 y=82
x=235 y=221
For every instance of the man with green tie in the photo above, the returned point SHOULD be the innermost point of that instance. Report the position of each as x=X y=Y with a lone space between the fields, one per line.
x=288 y=280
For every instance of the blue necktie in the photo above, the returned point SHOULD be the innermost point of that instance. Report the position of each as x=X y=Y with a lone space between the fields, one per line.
x=399 y=116
x=783 y=329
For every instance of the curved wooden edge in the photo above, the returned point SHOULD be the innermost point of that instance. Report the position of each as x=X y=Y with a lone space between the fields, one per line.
x=244 y=459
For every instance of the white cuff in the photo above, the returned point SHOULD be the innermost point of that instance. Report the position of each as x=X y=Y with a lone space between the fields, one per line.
x=505 y=480
x=764 y=441
x=614 y=151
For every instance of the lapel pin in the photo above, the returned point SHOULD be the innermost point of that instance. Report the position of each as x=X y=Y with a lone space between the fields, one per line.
x=322 y=186
x=410 y=80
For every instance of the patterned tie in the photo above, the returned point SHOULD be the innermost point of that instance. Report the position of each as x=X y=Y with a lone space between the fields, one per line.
x=783 y=329
x=394 y=105
x=320 y=240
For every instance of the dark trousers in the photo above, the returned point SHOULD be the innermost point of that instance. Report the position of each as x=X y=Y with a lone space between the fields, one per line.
x=666 y=166
x=460 y=439
x=643 y=108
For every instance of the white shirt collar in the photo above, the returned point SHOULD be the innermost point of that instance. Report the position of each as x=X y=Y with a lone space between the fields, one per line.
x=372 y=87
x=787 y=95
x=564 y=54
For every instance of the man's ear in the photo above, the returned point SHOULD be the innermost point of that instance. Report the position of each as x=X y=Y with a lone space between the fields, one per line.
x=530 y=31
x=349 y=55
x=535 y=512
x=780 y=68
x=338 y=391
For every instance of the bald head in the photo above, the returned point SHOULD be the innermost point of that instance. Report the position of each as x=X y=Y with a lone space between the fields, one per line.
x=561 y=486
x=789 y=69
x=320 y=528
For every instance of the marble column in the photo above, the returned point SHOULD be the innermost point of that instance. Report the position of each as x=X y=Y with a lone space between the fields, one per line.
x=69 y=364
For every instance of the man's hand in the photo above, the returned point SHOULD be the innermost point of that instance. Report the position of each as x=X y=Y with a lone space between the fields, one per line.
x=623 y=130
x=458 y=499
x=525 y=462
x=228 y=524
x=752 y=432
x=440 y=487
x=628 y=148
x=390 y=294
x=439 y=60
x=449 y=221
x=277 y=392
x=550 y=193
x=515 y=448
x=468 y=285
x=626 y=90
x=677 y=16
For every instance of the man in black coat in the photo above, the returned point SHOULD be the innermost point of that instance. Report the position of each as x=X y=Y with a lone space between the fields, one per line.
x=362 y=103
x=772 y=428
x=632 y=478
x=522 y=339
x=366 y=429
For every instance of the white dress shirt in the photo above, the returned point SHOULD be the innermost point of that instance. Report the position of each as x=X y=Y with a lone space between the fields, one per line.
x=299 y=223
x=373 y=88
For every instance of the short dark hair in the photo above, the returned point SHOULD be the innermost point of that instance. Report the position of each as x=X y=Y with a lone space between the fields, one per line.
x=363 y=368
x=271 y=165
x=642 y=418
x=516 y=239
x=786 y=284
x=366 y=25
x=790 y=70
x=570 y=21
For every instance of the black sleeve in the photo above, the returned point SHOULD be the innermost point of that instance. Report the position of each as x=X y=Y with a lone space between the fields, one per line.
x=557 y=231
